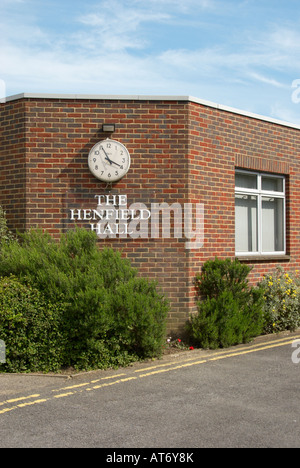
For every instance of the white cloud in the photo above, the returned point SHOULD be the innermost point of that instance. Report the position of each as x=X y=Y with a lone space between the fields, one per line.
x=180 y=5
x=61 y=71
x=287 y=40
x=11 y=2
x=279 y=47
x=117 y=27
x=285 y=113
x=268 y=81
x=108 y=48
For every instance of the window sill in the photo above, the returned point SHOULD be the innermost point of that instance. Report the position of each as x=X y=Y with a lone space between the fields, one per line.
x=263 y=258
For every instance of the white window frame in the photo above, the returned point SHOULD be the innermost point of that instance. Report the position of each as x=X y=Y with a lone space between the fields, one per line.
x=260 y=194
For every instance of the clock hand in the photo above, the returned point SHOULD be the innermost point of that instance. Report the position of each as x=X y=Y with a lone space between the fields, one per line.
x=113 y=162
x=108 y=159
x=106 y=156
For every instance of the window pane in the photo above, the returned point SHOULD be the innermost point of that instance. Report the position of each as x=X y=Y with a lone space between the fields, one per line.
x=246 y=223
x=246 y=180
x=272 y=224
x=272 y=184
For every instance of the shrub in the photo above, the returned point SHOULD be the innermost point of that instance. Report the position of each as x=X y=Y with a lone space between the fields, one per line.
x=111 y=317
x=140 y=317
x=30 y=327
x=218 y=276
x=281 y=301
x=229 y=310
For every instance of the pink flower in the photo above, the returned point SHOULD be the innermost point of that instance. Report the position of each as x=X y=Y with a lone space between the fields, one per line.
x=191 y=348
x=179 y=341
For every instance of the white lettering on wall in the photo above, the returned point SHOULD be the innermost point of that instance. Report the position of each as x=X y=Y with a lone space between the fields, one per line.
x=114 y=219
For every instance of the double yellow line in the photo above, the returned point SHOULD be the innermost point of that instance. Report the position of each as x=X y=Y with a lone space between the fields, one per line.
x=116 y=379
x=221 y=355
x=20 y=405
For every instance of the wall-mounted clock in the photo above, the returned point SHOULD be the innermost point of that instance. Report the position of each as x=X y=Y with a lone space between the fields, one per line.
x=109 y=160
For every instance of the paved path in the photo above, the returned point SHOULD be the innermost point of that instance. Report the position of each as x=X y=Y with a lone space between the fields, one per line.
x=246 y=396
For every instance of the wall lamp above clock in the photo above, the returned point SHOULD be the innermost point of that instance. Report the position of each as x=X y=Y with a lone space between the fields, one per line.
x=108 y=128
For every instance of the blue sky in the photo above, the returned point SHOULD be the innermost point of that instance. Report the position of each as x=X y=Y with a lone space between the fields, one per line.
x=240 y=53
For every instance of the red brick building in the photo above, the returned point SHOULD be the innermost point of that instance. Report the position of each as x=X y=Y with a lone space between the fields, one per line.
x=204 y=181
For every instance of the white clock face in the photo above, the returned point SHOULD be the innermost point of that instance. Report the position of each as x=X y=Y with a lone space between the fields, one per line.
x=109 y=160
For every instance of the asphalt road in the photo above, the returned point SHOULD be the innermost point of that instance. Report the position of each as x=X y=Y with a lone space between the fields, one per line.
x=247 y=396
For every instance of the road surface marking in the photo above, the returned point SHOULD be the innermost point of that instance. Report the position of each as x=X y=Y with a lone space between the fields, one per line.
x=161 y=368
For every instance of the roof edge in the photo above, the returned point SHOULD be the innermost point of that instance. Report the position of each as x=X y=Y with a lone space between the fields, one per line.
x=152 y=98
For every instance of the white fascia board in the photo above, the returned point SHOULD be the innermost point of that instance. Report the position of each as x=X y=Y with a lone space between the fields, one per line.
x=202 y=102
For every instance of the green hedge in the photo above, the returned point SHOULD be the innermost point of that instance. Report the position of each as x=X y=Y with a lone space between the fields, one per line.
x=31 y=328
x=229 y=310
x=107 y=315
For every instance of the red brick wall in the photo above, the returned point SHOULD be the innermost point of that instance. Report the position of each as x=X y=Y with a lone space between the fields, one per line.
x=13 y=162
x=222 y=141
x=181 y=152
